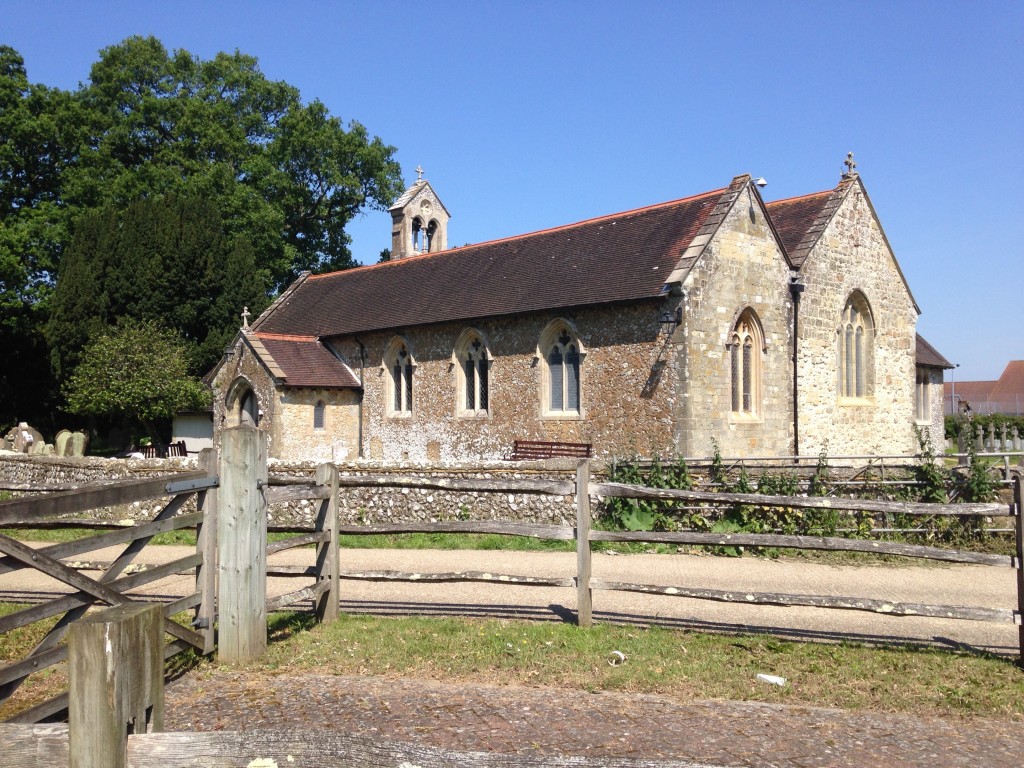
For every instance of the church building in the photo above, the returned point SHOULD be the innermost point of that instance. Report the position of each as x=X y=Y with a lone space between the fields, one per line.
x=717 y=319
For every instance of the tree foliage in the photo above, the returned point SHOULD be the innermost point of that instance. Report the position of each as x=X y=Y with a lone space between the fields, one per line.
x=165 y=259
x=286 y=178
x=136 y=369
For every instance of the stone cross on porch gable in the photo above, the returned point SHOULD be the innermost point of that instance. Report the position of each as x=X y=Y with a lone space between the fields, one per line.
x=419 y=173
x=245 y=318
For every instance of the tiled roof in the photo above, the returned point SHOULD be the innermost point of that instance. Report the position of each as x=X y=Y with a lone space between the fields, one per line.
x=928 y=356
x=801 y=220
x=793 y=217
x=622 y=257
x=408 y=195
x=303 y=361
x=969 y=391
x=1011 y=382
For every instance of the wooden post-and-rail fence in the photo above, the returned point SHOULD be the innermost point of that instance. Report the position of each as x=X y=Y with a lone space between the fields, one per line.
x=232 y=550
x=231 y=496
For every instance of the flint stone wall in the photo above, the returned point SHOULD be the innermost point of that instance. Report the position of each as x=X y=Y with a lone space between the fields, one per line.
x=357 y=505
x=17 y=470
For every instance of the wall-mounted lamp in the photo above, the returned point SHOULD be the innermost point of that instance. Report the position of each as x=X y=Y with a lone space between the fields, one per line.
x=229 y=351
x=671 y=318
x=795 y=286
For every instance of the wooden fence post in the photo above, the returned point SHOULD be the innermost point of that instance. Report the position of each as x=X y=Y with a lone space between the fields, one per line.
x=327 y=557
x=116 y=668
x=1018 y=524
x=583 y=595
x=206 y=545
x=242 y=545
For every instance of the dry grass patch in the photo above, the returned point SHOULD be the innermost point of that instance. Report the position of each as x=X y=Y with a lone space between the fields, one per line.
x=16 y=645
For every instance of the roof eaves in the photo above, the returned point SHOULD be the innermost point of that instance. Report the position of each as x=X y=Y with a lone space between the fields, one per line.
x=264 y=356
x=938 y=360
x=473 y=319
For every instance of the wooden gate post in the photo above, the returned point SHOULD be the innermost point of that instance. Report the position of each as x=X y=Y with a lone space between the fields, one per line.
x=1018 y=525
x=327 y=557
x=242 y=545
x=583 y=595
x=116 y=668
x=206 y=545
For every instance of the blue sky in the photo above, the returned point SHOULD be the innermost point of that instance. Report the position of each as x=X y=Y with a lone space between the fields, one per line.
x=530 y=114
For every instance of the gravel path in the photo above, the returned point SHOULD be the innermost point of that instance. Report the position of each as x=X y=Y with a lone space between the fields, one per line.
x=547 y=722
x=943 y=585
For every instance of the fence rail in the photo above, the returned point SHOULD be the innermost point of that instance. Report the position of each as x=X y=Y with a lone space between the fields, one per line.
x=231 y=542
x=584 y=536
x=112 y=587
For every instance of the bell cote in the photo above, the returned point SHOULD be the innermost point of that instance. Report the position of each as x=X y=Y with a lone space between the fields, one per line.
x=419 y=221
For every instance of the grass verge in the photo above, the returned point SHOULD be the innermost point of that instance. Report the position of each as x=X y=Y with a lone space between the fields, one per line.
x=681 y=664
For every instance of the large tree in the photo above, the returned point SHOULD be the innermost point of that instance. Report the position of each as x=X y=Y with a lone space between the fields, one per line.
x=166 y=259
x=286 y=177
x=36 y=132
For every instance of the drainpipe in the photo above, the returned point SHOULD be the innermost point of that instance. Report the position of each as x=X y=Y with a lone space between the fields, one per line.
x=362 y=393
x=796 y=288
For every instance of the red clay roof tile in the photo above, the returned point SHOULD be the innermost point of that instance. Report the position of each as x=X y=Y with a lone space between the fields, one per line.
x=928 y=356
x=621 y=257
x=306 y=362
x=1011 y=383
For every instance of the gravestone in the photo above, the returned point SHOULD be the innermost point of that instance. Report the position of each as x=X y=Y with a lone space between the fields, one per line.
x=23 y=437
x=78 y=444
x=1002 y=437
x=60 y=442
x=979 y=443
x=991 y=436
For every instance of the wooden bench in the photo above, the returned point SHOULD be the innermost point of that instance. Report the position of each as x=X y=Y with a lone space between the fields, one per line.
x=159 y=451
x=524 y=450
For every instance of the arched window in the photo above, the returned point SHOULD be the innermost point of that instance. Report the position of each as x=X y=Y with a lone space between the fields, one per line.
x=746 y=347
x=399 y=364
x=431 y=231
x=855 y=349
x=249 y=409
x=472 y=360
x=562 y=354
x=319 y=415
x=241 y=405
x=417 y=234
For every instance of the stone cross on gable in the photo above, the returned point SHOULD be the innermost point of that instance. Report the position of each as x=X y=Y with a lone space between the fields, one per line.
x=419 y=173
x=850 y=165
x=245 y=318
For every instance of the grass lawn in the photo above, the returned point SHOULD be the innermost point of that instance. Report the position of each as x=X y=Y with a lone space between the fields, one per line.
x=684 y=665
x=680 y=664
